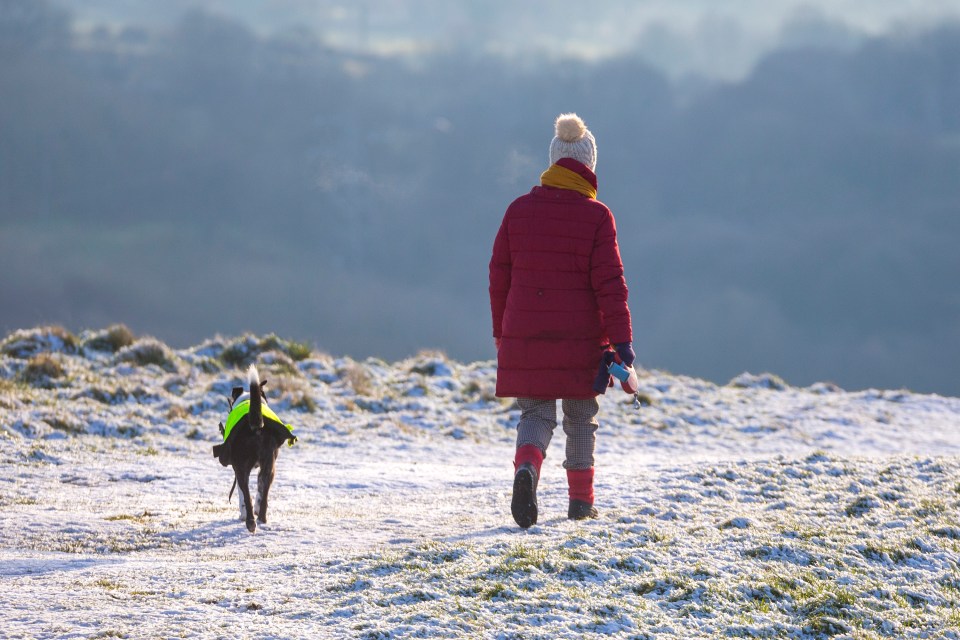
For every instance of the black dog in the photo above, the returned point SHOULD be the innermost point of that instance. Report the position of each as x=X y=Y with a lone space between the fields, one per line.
x=252 y=438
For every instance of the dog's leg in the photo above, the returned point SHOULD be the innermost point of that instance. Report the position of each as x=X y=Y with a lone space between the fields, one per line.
x=258 y=499
x=243 y=508
x=268 y=466
x=246 y=508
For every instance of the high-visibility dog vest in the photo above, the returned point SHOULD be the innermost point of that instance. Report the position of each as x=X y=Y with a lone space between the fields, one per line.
x=242 y=408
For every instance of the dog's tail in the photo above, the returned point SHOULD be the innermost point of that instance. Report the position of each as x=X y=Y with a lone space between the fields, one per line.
x=255 y=416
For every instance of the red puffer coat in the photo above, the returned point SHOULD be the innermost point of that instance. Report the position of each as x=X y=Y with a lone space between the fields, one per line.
x=557 y=293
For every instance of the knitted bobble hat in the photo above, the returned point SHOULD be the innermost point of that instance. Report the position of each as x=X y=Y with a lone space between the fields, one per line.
x=573 y=140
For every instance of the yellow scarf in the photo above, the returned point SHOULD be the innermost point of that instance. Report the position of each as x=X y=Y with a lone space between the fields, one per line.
x=563 y=178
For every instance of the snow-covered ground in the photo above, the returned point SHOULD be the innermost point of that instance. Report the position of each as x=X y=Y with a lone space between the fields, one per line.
x=753 y=509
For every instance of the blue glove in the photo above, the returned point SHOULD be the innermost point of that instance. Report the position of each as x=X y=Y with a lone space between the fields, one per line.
x=625 y=351
x=603 y=379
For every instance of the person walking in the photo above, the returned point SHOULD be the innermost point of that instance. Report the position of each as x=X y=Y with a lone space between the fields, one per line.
x=558 y=297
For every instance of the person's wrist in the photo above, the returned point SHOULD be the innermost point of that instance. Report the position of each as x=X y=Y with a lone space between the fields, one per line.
x=626 y=353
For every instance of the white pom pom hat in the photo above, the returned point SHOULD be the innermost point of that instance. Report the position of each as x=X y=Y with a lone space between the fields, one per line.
x=573 y=140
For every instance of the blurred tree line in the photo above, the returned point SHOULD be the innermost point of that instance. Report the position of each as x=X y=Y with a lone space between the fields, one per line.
x=202 y=179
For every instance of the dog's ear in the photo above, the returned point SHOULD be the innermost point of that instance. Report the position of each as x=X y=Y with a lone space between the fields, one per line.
x=235 y=393
x=263 y=383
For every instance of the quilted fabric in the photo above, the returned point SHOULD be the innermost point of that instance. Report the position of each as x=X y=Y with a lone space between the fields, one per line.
x=557 y=292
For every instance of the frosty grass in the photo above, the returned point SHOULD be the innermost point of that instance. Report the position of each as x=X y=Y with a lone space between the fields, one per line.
x=749 y=510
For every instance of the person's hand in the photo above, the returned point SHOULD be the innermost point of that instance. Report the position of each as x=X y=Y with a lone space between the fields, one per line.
x=603 y=379
x=625 y=352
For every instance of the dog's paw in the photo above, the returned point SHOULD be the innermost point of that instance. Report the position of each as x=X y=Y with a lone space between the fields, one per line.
x=251 y=526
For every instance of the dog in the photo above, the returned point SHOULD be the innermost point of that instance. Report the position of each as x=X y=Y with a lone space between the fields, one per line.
x=252 y=438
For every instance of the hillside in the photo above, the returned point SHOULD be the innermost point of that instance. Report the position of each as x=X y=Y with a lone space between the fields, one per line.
x=752 y=509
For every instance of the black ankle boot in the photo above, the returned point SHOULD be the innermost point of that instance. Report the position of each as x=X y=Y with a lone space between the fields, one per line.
x=524 y=503
x=580 y=510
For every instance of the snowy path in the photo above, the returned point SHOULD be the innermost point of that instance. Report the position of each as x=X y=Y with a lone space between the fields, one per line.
x=725 y=511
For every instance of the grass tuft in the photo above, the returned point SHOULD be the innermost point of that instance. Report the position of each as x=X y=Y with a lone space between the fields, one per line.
x=245 y=350
x=148 y=351
x=359 y=379
x=299 y=350
x=112 y=339
x=861 y=506
x=26 y=343
x=42 y=370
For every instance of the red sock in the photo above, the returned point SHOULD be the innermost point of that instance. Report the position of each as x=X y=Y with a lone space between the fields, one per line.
x=580 y=484
x=528 y=453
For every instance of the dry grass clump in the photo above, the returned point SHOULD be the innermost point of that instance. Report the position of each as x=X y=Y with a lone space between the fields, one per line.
x=65 y=423
x=359 y=379
x=484 y=392
x=146 y=352
x=26 y=343
x=748 y=380
x=247 y=349
x=177 y=412
x=298 y=350
x=277 y=363
x=293 y=393
x=42 y=370
x=112 y=339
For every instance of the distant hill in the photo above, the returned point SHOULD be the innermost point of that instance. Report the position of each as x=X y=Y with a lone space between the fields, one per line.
x=801 y=220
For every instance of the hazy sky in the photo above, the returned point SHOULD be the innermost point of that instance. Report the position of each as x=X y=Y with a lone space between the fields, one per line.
x=797 y=216
x=680 y=36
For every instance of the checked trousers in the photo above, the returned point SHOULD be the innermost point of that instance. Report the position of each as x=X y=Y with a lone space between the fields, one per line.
x=538 y=419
